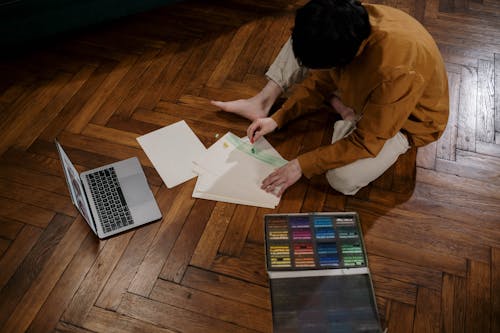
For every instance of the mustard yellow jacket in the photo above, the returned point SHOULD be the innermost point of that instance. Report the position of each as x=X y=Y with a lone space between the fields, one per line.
x=396 y=82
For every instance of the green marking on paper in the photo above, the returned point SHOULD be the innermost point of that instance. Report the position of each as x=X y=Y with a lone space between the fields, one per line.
x=250 y=150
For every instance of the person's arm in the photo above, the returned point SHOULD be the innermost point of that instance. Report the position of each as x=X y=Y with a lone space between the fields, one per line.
x=306 y=97
x=388 y=108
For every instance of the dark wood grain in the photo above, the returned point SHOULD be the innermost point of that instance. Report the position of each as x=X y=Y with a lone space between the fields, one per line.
x=430 y=222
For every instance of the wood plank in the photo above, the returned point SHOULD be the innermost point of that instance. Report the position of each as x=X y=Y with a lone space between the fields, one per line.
x=460 y=304
x=405 y=173
x=230 y=90
x=131 y=125
x=58 y=300
x=171 y=317
x=32 y=161
x=411 y=273
x=28 y=177
x=401 y=317
x=485 y=118
x=110 y=91
x=433 y=233
x=233 y=50
x=466 y=121
x=213 y=235
x=32 y=264
x=415 y=255
x=197 y=50
x=495 y=289
x=4 y=245
x=95 y=279
x=63 y=327
x=472 y=165
x=227 y=287
x=497 y=90
x=79 y=100
x=17 y=251
x=175 y=206
x=122 y=83
x=277 y=34
x=100 y=320
x=207 y=114
x=447 y=303
x=180 y=56
x=216 y=49
x=395 y=290
x=448 y=141
x=255 y=81
x=336 y=201
x=97 y=146
x=125 y=270
x=429 y=199
x=427 y=311
x=142 y=85
x=39 y=198
x=256 y=232
x=450 y=218
x=492 y=149
x=50 y=112
x=39 y=290
x=456 y=183
x=185 y=245
x=168 y=113
x=453 y=301
x=221 y=308
x=249 y=266
x=259 y=36
x=478 y=297
x=25 y=114
x=236 y=233
x=9 y=229
x=383 y=308
x=459 y=55
x=112 y=135
x=17 y=89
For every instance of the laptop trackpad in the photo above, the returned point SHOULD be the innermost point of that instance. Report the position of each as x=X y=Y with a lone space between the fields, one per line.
x=135 y=190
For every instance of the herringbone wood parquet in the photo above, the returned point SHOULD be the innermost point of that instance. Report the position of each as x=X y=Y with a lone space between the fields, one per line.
x=434 y=252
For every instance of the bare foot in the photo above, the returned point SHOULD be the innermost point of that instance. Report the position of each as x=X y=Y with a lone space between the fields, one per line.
x=251 y=108
x=254 y=107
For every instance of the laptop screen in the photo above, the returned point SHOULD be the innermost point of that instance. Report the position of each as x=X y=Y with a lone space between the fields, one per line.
x=75 y=187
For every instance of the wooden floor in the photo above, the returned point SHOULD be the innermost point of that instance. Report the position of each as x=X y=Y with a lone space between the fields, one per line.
x=434 y=254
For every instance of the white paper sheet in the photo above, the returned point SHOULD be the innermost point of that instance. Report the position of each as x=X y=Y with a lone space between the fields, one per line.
x=172 y=150
x=229 y=174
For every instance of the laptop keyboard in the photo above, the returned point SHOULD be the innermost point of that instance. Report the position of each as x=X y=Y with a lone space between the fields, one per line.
x=109 y=200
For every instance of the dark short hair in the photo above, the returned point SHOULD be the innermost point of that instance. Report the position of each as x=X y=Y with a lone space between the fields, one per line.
x=328 y=33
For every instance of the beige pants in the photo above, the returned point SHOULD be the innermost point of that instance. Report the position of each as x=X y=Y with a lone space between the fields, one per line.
x=349 y=179
x=285 y=70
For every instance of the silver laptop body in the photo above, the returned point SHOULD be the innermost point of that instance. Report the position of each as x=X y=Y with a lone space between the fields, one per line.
x=112 y=198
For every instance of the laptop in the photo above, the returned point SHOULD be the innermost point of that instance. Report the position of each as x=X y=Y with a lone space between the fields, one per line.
x=113 y=198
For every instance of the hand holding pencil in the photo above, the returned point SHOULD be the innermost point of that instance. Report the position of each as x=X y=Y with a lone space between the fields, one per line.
x=260 y=127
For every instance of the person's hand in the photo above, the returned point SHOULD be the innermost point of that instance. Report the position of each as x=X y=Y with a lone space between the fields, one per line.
x=282 y=178
x=260 y=127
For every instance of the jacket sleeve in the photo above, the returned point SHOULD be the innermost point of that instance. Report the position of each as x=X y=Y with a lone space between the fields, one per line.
x=306 y=97
x=388 y=107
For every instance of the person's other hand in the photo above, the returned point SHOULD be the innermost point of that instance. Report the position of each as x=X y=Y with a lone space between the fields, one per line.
x=260 y=127
x=282 y=178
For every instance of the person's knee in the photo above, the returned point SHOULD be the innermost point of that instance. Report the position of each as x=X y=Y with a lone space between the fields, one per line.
x=343 y=182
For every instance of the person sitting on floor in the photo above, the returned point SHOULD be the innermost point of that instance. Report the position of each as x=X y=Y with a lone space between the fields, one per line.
x=377 y=67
